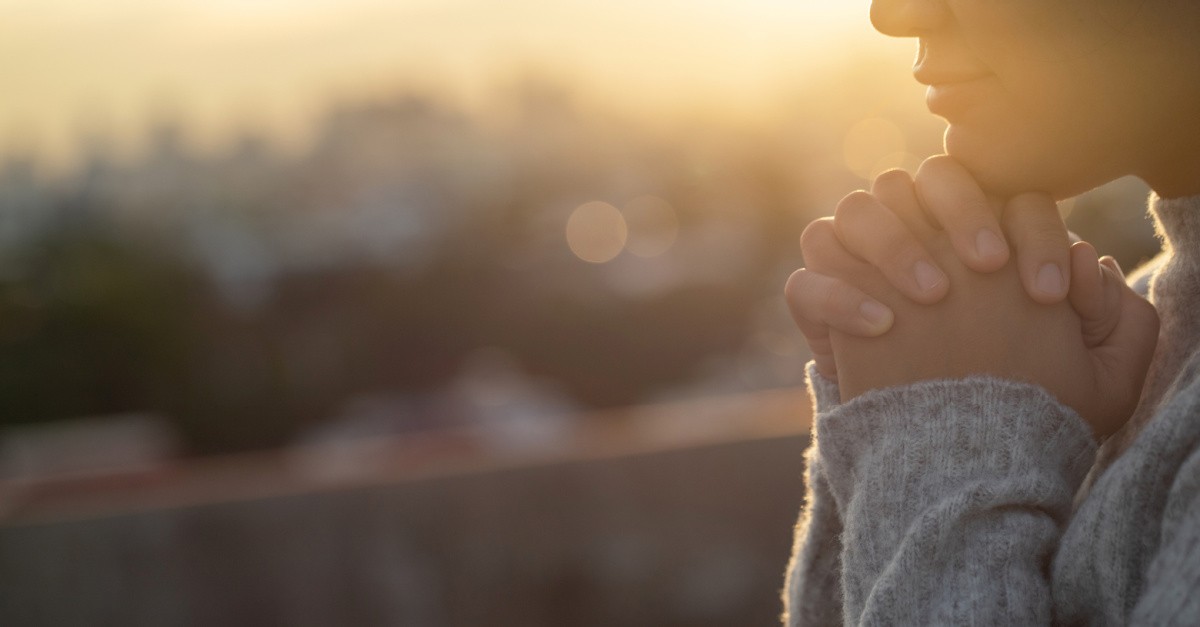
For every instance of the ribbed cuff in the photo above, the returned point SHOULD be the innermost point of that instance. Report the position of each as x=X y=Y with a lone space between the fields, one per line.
x=824 y=393
x=926 y=437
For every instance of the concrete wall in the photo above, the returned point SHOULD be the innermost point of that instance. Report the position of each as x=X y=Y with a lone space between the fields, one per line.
x=695 y=536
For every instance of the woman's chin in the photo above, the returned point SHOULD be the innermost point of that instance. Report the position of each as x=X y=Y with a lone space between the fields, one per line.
x=1003 y=166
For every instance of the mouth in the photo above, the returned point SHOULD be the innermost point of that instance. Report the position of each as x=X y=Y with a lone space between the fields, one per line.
x=952 y=98
x=955 y=81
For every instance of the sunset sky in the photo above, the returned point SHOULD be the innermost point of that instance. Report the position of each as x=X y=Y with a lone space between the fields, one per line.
x=111 y=68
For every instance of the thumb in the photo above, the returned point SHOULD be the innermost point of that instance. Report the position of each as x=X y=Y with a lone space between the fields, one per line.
x=1096 y=294
x=1124 y=358
x=1120 y=330
x=1130 y=346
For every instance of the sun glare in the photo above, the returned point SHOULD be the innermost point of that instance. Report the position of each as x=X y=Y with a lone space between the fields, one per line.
x=283 y=61
x=874 y=145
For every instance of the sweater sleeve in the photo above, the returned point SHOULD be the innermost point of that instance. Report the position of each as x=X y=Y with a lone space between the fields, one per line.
x=948 y=499
x=1169 y=593
x=813 y=589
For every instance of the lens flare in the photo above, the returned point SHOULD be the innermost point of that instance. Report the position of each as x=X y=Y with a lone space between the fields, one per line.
x=596 y=232
x=653 y=226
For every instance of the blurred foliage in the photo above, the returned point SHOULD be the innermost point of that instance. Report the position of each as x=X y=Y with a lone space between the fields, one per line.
x=94 y=324
x=250 y=295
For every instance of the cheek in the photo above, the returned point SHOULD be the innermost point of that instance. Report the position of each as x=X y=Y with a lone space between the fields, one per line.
x=1045 y=130
x=1072 y=108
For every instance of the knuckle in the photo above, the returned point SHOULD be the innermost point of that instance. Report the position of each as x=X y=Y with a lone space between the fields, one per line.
x=935 y=165
x=793 y=289
x=853 y=206
x=809 y=295
x=817 y=233
x=952 y=195
x=896 y=177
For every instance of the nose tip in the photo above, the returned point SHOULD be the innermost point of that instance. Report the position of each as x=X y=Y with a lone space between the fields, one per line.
x=907 y=18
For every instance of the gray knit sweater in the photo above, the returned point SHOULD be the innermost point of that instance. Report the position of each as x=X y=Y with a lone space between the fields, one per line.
x=951 y=502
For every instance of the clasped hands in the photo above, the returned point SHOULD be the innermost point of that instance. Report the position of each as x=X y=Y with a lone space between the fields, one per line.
x=916 y=280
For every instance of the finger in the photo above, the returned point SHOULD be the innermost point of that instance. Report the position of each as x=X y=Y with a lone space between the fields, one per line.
x=824 y=252
x=1126 y=354
x=1042 y=244
x=819 y=302
x=1112 y=264
x=955 y=202
x=1136 y=332
x=871 y=231
x=826 y=365
x=896 y=190
x=1095 y=294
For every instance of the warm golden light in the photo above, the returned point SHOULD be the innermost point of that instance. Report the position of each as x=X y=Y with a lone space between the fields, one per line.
x=652 y=226
x=870 y=142
x=596 y=232
x=221 y=67
x=902 y=160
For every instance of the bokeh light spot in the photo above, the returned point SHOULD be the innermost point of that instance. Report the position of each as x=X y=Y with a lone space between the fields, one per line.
x=596 y=232
x=870 y=141
x=653 y=226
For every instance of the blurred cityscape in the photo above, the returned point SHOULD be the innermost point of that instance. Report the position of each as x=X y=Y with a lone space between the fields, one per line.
x=401 y=339
x=416 y=268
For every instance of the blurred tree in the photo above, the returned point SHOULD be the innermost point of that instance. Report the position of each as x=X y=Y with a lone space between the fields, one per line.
x=90 y=323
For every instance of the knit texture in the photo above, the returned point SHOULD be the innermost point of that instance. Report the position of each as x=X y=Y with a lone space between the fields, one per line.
x=950 y=502
x=1174 y=288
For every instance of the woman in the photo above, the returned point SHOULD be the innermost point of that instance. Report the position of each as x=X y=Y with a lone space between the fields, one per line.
x=961 y=398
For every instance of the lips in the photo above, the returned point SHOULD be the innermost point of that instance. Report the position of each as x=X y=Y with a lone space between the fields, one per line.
x=951 y=98
x=941 y=62
x=956 y=82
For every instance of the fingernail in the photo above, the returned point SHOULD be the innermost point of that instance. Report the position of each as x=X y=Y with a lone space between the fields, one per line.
x=1050 y=280
x=875 y=314
x=928 y=277
x=989 y=245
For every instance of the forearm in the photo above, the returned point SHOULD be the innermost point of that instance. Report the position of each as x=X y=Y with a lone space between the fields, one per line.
x=1169 y=593
x=813 y=590
x=812 y=593
x=950 y=498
